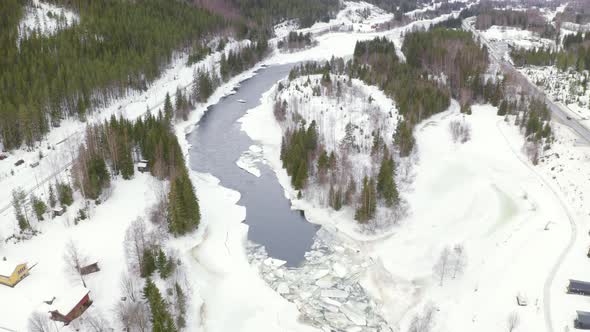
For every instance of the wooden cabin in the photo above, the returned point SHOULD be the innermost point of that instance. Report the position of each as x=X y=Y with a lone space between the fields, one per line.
x=142 y=166
x=578 y=287
x=70 y=305
x=90 y=268
x=582 y=321
x=12 y=273
x=57 y=211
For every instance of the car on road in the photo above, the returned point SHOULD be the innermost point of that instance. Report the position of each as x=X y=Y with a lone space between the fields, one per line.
x=3 y=156
x=19 y=162
x=568 y=117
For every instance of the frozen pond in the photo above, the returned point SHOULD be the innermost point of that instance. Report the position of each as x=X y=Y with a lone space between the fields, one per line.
x=218 y=143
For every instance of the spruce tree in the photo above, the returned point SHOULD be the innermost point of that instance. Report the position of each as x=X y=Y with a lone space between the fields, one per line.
x=168 y=110
x=65 y=194
x=368 y=202
x=386 y=186
x=52 y=199
x=149 y=263
x=39 y=207
x=161 y=318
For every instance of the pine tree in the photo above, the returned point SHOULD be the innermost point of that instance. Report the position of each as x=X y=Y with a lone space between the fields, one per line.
x=168 y=110
x=183 y=206
x=39 y=207
x=386 y=186
x=18 y=201
x=65 y=194
x=52 y=199
x=149 y=263
x=180 y=305
x=161 y=318
x=368 y=201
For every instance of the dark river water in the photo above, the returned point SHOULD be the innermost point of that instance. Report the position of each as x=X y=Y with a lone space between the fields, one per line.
x=217 y=144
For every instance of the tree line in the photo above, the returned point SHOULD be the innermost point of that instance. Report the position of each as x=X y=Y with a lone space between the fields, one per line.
x=116 y=46
x=111 y=149
x=295 y=40
x=575 y=54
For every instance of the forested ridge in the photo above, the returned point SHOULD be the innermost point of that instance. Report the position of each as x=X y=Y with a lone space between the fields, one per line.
x=269 y=12
x=575 y=54
x=117 y=45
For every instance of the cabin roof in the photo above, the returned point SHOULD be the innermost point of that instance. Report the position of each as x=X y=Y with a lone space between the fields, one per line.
x=142 y=164
x=7 y=267
x=67 y=301
x=580 y=285
x=583 y=317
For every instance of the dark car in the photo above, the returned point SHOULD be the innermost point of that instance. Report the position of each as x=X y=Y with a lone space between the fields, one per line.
x=19 y=162
x=3 y=156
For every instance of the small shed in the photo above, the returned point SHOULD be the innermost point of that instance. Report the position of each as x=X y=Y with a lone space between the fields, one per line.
x=578 y=287
x=58 y=211
x=142 y=166
x=70 y=305
x=582 y=320
x=90 y=268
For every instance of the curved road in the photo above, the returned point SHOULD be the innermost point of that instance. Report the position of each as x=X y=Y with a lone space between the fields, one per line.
x=563 y=115
x=565 y=251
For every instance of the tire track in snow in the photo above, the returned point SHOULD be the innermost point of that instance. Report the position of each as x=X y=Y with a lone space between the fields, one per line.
x=565 y=251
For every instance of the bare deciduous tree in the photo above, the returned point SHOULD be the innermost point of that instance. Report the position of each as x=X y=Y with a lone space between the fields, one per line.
x=459 y=260
x=96 y=323
x=513 y=321
x=460 y=131
x=136 y=241
x=75 y=260
x=134 y=316
x=442 y=265
x=129 y=286
x=39 y=322
x=423 y=322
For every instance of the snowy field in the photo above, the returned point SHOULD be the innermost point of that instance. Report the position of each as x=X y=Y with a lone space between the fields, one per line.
x=505 y=215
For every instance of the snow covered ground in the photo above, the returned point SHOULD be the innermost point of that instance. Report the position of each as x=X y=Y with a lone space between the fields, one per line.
x=99 y=238
x=496 y=207
x=569 y=88
x=482 y=195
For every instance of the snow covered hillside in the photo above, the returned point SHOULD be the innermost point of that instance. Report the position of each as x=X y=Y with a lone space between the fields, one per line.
x=46 y=19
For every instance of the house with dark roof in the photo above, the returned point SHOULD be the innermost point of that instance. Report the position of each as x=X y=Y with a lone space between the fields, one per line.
x=578 y=287
x=582 y=320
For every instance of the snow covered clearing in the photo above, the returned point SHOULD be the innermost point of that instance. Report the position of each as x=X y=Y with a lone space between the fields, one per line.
x=516 y=37
x=45 y=18
x=99 y=238
x=354 y=17
x=481 y=198
x=570 y=87
x=567 y=168
x=484 y=197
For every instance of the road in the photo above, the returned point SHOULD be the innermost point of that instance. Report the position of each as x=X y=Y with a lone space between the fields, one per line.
x=561 y=114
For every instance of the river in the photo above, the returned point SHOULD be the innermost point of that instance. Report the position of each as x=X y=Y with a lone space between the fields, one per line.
x=218 y=142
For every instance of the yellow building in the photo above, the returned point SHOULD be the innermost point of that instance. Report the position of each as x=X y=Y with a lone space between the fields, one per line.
x=12 y=273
